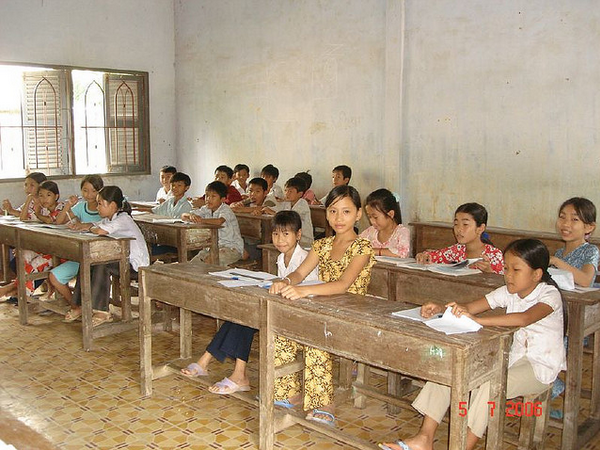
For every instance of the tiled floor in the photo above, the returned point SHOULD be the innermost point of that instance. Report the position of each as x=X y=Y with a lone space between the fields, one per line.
x=78 y=400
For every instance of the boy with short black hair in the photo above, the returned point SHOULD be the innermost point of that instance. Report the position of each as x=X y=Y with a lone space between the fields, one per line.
x=257 y=192
x=294 y=191
x=166 y=172
x=241 y=173
x=224 y=174
x=177 y=204
x=217 y=212
x=340 y=175
x=270 y=173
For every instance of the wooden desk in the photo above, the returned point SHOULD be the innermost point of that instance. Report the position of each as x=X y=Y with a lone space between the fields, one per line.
x=463 y=362
x=418 y=286
x=440 y=234
x=88 y=250
x=185 y=236
x=190 y=288
x=255 y=227
x=8 y=239
x=318 y=217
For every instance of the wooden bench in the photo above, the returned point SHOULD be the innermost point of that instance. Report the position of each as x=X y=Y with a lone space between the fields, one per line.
x=318 y=217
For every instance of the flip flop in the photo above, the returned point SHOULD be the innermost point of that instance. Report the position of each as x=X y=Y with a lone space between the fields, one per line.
x=194 y=370
x=400 y=444
x=330 y=421
x=284 y=403
x=101 y=317
x=72 y=316
x=227 y=387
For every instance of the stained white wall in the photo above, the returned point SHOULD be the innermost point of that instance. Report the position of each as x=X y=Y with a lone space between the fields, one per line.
x=112 y=34
x=497 y=104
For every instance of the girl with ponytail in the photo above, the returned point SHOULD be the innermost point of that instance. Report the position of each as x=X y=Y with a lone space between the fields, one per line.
x=537 y=355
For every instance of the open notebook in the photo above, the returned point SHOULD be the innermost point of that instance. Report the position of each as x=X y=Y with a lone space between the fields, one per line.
x=456 y=269
x=446 y=323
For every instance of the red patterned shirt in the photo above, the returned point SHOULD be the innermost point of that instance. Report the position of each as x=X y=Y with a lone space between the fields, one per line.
x=458 y=253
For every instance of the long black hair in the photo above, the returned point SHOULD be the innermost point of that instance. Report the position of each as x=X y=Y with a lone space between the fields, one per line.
x=479 y=215
x=115 y=194
x=384 y=201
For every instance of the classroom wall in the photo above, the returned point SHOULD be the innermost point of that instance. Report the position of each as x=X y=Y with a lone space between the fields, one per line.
x=443 y=102
x=112 y=34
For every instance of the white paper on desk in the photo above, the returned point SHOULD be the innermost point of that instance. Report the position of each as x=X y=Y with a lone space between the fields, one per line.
x=456 y=270
x=395 y=261
x=450 y=324
x=48 y=225
x=563 y=278
x=243 y=277
x=167 y=220
x=415 y=314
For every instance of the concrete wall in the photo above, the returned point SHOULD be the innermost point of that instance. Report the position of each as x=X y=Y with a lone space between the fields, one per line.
x=113 y=34
x=472 y=101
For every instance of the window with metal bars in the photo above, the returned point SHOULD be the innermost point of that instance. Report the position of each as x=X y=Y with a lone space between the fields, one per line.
x=71 y=121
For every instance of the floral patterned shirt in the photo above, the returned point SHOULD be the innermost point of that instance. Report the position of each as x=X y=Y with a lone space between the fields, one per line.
x=332 y=270
x=458 y=253
x=398 y=243
x=586 y=253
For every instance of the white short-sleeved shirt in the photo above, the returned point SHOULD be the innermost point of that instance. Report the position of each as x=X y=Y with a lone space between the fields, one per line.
x=302 y=208
x=123 y=225
x=241 y=190
x=542 y=341
x=297 y=258
x=172 y=209
x=163 y=194
x=229 y=234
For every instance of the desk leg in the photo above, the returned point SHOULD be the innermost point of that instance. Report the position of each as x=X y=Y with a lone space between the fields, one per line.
x=21 y=292
x=214 y=247
x=185 y=333
x=495 y=431
x=595 y=404
x=145 y=335
x=460 y=396
x=125 y=286
x=86 y=303
x=574 y=368
x=5 y=263
x=267 y=379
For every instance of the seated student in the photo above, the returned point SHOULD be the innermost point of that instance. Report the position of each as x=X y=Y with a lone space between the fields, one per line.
x=470 y=220
x=166 y=172
x=216 y=211
x=257 y=192
x=340 y=176
x=223 y=174
x=241 y=173
x=576 y=222
x=177 y=204
x=344 y=262
x=294 y=190
x=533 y=303
x=233 y=340
x=387 y=234
x=309 y=194
x=275 y=194
x=30 y=186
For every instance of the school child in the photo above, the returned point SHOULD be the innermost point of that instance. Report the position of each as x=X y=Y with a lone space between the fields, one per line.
x=79 y=215
x=270 y=173
x=576 y=222
x=309 y=194
x=344 y=262
x=177 y=203
x=340 y=176
x=241 y=173
x=233 y=340
x=294 y=191
x=537 y=354
x=470 y=220
x=387 y=234
x=166 y=172
x=216 y=211
x=116 y=219
x=257 y=193
x=224 y=174
x=46 y=207
x=31 y=186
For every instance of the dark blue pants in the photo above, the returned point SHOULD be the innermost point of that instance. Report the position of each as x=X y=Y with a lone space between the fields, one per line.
x=233 y=341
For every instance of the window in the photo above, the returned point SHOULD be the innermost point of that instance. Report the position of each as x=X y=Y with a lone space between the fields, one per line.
x=71 y=121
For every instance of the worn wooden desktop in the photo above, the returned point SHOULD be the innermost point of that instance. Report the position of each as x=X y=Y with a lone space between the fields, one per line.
x=318 y=217
x=87 y=249
x=186 y=236
x=189 y=287
x=462 y=362
x=255 y=227
x=419 y=286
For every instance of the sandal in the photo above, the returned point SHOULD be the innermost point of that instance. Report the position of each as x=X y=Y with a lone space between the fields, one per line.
x=328 y=420
x=101 y=317
x=194 y=370
x=226 y=387
x=72 y=316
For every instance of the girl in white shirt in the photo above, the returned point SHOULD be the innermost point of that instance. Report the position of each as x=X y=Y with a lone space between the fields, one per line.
x=537 y=354
x=116 y=219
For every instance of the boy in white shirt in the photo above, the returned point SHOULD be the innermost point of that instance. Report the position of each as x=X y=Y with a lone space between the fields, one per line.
x=270 y=173
x=215 y=211
x=233 y=340
x=340 y=175
x=166 y=172
x=241 y=173
x=294 y=191
x=177 y=204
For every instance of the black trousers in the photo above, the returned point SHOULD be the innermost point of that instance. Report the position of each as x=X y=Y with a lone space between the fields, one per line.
x=233 y=341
